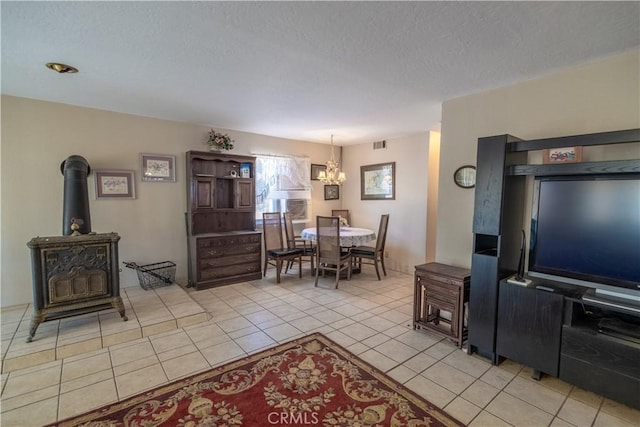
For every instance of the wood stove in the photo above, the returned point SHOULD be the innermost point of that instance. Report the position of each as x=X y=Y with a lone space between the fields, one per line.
x=74 y=275
x=77 y=272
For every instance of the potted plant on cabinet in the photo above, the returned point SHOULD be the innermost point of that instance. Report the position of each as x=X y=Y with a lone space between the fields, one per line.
x=218 y=141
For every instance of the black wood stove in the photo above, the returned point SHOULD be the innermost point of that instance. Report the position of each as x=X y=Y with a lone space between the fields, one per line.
x=75 y=273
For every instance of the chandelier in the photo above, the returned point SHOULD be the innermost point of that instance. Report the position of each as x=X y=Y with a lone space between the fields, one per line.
x=332 y=175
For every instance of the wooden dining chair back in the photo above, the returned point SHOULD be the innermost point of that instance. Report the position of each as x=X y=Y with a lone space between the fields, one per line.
x=295 y=241
x=343 y=213
x=275 y=251
x=328 y=250
x=375 y=255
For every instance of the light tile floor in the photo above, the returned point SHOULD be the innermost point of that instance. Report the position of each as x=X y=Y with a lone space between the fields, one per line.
x=149 y=312
x=169 y=337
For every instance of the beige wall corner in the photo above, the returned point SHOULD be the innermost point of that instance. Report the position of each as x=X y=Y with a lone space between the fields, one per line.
x=596 y=97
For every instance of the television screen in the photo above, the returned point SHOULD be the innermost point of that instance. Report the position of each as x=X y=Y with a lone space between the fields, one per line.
x=588 y=228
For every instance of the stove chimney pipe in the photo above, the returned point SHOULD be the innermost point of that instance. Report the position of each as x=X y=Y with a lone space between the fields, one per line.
x=75 y=213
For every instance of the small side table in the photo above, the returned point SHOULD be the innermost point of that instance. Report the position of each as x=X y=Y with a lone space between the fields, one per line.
x=441 y=287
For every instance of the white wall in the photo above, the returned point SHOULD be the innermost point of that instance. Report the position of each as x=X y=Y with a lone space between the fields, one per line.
x=597 y=97
x=407 y=230
x=37 y=136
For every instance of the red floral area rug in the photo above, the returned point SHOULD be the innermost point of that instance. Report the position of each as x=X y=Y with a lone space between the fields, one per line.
x=305 y=382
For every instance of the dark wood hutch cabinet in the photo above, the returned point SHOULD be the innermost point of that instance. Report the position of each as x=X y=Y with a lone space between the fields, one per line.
x=224 y=246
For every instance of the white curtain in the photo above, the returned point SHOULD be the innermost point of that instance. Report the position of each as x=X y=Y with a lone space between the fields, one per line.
x=281 y=178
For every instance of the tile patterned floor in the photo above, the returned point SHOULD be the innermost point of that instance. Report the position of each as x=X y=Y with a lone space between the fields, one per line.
x=88 y=361
x=149 y=313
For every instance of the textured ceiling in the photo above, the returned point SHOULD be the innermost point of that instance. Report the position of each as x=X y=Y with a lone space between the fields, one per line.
x=303 y=70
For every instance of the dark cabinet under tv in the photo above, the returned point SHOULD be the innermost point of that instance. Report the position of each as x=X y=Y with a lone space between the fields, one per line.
x=529 y=327
x=600 y=362
x=554 y=328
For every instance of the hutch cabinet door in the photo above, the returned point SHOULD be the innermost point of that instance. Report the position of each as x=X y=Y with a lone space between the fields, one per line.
x=245 y=197
x=203 y=197
x=529 y=326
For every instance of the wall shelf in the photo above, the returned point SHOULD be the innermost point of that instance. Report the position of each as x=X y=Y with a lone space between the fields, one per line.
x=586 y=168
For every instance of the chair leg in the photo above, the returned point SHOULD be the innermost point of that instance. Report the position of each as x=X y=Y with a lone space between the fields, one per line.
x=375 y=262
x=384 y=270
x=349 y=272
x=299 y=266
x=266 y=262
x=278 y=268
x=338 y=270
x=317 y=275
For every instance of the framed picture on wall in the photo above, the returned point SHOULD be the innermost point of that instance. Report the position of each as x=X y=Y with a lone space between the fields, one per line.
x=158 y=167
x=115 y=184
x=378 y=182
x=315 y=171
x=331 y=192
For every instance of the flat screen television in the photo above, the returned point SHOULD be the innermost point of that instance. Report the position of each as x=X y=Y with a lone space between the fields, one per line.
x=586 y=230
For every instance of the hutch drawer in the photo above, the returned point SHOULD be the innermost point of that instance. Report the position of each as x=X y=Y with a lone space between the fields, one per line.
x=227 y=258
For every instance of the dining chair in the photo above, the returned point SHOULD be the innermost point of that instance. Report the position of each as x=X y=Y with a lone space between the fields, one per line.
x=343 y=213
x=328 y=250
x=274 y=247
x=374 y=254
x=294 y=241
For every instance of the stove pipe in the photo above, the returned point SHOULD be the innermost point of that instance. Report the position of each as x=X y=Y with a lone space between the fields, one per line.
x=76 y=196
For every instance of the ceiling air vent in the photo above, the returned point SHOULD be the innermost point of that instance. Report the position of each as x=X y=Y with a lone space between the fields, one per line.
x=379 y=145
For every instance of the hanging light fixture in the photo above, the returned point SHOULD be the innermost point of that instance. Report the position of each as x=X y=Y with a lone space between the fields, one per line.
x=332 y=175
x=61 y=68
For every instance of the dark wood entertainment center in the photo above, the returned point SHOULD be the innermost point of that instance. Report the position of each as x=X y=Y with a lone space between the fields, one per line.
x=555 y=328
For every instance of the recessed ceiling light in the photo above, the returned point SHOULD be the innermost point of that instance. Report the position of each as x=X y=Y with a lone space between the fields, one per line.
x=62 y=68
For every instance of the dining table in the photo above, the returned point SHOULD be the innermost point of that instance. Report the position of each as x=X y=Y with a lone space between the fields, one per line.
x=349 y=236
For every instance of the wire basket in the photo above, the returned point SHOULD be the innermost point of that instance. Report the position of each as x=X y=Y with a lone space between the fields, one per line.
x=156 y=275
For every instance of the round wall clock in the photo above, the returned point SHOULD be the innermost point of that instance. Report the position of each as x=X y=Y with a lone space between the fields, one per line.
x=465 y=176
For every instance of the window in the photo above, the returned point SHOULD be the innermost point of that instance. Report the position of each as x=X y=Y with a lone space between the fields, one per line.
x=283 y=184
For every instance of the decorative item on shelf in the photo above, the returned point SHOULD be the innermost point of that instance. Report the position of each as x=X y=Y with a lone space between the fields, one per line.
x=75 y=226
x=219 y=141
x=562 y=155
x=245 y=170
x=332 y=175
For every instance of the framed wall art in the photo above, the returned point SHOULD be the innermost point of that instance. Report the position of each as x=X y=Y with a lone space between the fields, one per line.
x=158 y=167
x=315 y=171
x=115 y=184
x=562 y=155
x=331 y=192
x=378 y=182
